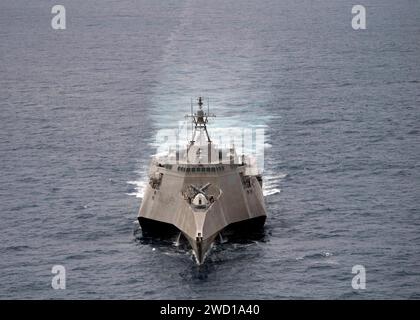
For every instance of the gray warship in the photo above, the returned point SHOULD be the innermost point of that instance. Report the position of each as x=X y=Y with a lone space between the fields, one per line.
x=201 y=191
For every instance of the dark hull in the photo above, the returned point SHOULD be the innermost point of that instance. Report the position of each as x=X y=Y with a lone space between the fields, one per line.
x=164 y=231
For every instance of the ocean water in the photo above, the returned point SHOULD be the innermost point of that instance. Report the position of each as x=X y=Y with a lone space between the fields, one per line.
x=80 y=109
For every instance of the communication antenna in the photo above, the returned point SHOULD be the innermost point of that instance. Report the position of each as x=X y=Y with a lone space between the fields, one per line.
x=192 y=123
x=232 y=150
x=243 y=147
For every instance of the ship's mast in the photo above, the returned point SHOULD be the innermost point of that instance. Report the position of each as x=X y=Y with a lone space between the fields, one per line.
x=199 y=122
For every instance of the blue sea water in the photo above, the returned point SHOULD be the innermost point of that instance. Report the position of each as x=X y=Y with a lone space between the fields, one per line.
x=80 y=109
